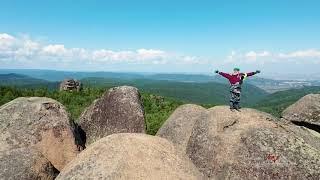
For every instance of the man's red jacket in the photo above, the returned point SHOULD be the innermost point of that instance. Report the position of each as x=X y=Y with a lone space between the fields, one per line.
x=234 y=79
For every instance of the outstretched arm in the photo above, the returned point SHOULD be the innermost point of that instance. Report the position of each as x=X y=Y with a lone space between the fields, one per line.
x=253 y=73
x=226 y=75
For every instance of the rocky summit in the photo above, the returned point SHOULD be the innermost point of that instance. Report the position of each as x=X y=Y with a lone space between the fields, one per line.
x=119 y=110
x=246 y=145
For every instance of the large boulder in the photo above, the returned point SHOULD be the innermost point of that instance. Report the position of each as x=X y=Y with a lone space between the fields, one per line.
x=70 y=85
x=119 y=110
x=131 y=156
x=250 y=145
x=178 y=128
x=40 y=124
x=244 y=145
x=307 y=109
x=25 y=163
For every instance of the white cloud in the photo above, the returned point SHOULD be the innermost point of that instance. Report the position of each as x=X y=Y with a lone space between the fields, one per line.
x=54 y=50
x=16 y=51
x=6 y=42
x=151 y=54
x=16 y=48
x=104 y=55
x=310 y=53
x=252 y=55
x=262 y=57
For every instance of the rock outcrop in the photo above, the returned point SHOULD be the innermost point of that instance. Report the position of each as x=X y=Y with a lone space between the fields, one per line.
x=248 y=145
x=119 y=110
x=39 y=126
x=70 y=85
x=307 y=109
x=178 y=128
x=131 y=156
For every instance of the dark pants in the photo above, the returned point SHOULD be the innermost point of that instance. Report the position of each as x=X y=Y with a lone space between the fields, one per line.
x=235 y=93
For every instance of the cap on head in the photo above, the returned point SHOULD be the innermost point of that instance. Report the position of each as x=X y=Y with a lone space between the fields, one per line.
x=236 y=69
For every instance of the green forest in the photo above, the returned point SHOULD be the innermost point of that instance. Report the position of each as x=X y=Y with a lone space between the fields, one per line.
x=277 y=102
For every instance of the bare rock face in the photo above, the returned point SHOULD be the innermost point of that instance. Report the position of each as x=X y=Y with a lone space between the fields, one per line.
x=178 y=128
x=307 y=109
x=42 y=126
x=131 y=156
x=25 y=163
x=70 y=85
x=310 y=136
x=243 y=145
x=119 y=110
x=250 y=145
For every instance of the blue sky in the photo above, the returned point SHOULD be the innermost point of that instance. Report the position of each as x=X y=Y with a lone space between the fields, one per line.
x=161 y=36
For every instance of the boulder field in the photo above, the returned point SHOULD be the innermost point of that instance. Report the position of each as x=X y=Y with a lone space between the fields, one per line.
x=37 y=137
x=39 y=141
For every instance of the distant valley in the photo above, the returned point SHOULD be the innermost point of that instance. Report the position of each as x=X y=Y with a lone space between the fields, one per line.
x=268 y=85
x=201 y=93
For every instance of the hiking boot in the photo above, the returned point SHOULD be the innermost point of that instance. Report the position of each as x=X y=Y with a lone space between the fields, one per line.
x=237 y=106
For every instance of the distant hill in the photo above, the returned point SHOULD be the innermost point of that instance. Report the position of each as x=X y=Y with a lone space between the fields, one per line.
x=275 y=103
x=271 y=85
x=194 y=78
x=268 y=85
x=201 y=93
x=52 y=75
x=19 y=80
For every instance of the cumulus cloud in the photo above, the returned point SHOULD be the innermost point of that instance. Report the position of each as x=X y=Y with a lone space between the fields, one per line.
x=16 y=51
x=310 y=53
x=7 y=45
x=22 y=48
x=262 y=57
x=151 y=54
x=55 y=50
x=6 y=41
x=252 y=55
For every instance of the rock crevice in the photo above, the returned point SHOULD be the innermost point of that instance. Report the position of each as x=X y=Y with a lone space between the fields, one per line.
x=311 y=126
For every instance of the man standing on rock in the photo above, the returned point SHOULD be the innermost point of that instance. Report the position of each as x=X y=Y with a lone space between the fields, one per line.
x=236 y=79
